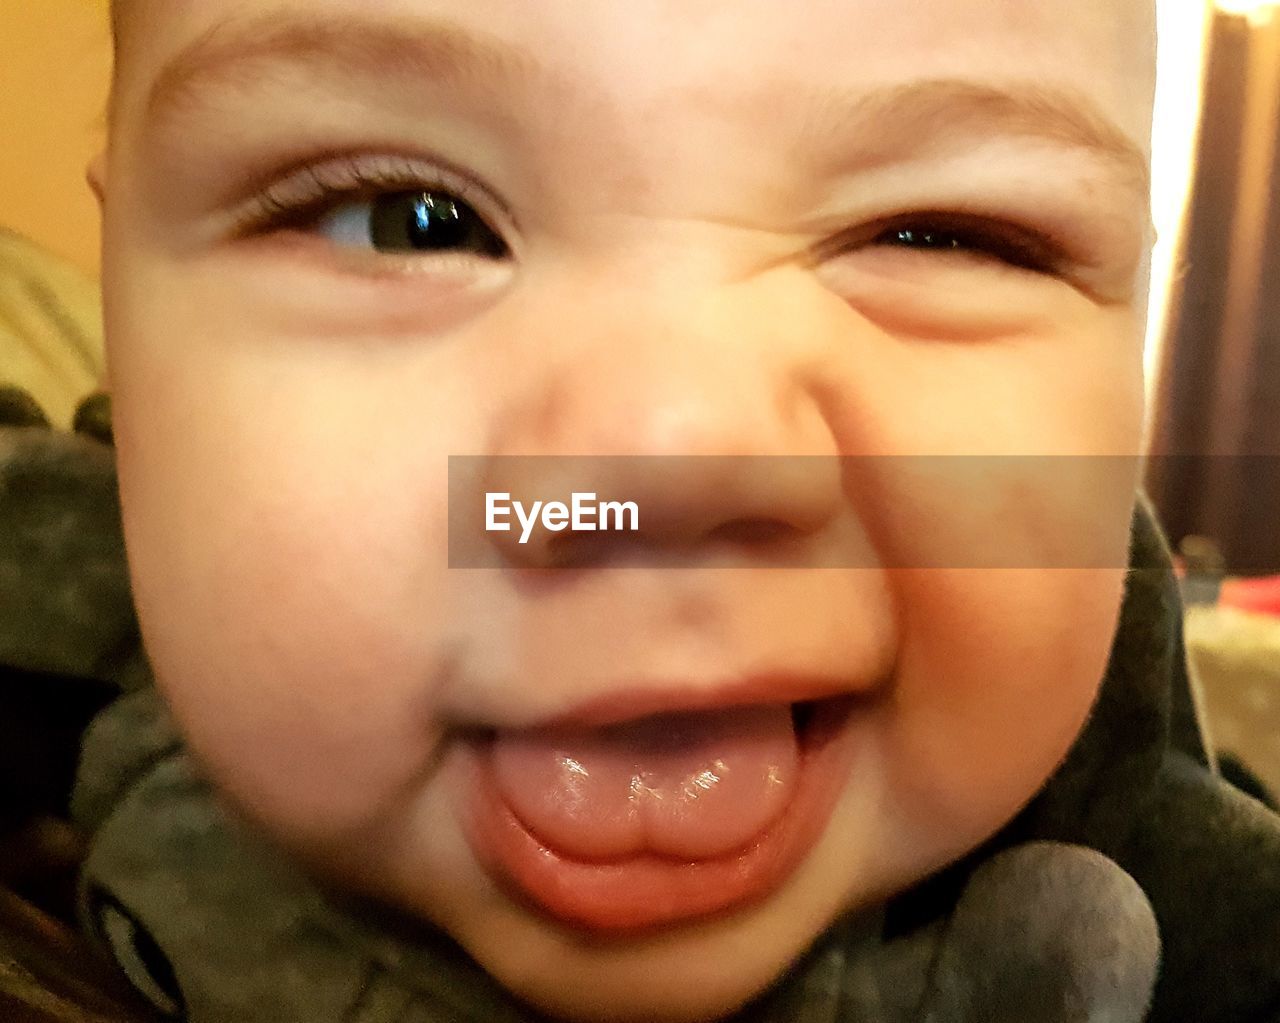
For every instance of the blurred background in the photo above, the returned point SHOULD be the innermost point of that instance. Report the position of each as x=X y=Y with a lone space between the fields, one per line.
x=55 y=64
x=1213 y=339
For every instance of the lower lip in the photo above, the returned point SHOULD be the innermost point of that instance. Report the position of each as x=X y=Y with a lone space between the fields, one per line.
x=644 y=892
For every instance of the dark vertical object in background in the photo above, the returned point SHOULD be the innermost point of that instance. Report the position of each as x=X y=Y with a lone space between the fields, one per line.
x=1256 y=524
x=1219 y=392
x=1184 y=401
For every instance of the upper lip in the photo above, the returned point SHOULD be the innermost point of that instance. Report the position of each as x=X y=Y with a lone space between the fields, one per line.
x=634 y=702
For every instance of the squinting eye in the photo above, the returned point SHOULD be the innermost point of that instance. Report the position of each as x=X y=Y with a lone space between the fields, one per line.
x=913 y=238
x=1014 y=246
x=411 y=222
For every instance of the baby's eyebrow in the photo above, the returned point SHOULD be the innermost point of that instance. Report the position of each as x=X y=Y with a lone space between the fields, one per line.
x=834 y=127
x=882 y=122
x=231 y=51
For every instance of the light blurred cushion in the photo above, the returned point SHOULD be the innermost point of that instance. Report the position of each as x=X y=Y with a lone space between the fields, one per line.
x=1236 y=655
x=50 y=327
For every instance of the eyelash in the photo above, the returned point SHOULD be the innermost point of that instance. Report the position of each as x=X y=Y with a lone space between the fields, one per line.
x=299 y=199
x=977 y=236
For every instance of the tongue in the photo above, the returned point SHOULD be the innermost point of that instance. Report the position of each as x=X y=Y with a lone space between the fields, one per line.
x=689 y=786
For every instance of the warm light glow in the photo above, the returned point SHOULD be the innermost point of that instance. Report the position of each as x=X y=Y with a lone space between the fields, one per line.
x=1183 y=27
x=1243 y=6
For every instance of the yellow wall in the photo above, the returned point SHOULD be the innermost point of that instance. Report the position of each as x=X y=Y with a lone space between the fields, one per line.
x=55 y=58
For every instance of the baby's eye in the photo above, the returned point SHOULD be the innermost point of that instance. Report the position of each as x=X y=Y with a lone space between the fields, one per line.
x=922 y=238
x=410 y=222
x=1003 y=243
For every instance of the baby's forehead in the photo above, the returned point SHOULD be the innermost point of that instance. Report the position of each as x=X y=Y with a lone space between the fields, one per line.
x=1102 y=47
x=758 y=113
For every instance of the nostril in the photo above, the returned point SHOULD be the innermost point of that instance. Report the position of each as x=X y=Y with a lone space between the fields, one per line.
x=595 y=550
x=754 y=531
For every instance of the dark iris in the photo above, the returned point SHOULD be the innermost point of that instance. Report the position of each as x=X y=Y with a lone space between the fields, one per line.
x=430 y=222
x=912 y=238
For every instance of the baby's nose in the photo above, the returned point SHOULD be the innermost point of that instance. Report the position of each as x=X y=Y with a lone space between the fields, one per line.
x=577 y=512
x=697 y=413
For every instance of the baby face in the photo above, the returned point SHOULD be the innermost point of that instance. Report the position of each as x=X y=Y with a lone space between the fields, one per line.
x=346 y=242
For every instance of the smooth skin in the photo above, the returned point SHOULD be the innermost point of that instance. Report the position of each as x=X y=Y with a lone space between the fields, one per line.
x=732 y=227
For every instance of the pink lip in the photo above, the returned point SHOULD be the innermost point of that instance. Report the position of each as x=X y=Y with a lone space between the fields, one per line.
x=631 y=703
x=643 y=892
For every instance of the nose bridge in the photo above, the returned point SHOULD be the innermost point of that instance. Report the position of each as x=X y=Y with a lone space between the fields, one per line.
x=659 y=365
x=697 y=396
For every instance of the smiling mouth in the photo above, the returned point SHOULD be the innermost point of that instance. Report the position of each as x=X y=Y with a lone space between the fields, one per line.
x=661 y=820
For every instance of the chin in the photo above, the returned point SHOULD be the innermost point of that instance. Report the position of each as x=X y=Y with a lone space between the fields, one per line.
x=692 y=973
x=696 y=971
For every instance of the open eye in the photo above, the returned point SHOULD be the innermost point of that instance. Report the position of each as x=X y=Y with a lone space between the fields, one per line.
x=388 y=205
x=420 y=221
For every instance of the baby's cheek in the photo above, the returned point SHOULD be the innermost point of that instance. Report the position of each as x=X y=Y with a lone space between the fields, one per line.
x=997 y=672
x=301 y=650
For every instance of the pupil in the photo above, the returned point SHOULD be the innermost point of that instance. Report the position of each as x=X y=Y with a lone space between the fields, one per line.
x=431 y=222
